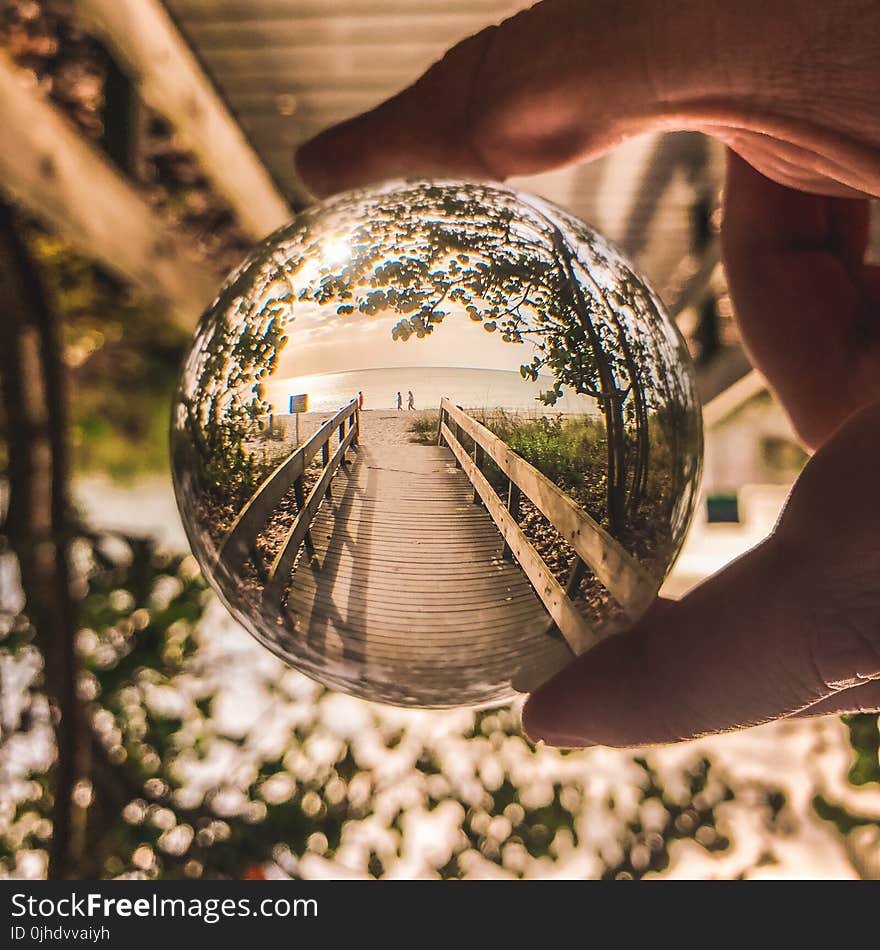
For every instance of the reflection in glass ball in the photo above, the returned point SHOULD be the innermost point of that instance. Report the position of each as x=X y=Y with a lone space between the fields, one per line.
x=433 y=439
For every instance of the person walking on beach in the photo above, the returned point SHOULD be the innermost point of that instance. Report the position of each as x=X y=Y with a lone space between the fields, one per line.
x=360 y=399
x=399 y=401
x=410 y=400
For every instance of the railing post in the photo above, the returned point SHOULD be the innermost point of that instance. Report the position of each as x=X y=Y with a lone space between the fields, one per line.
x=513 y=506
x=458 y=437
x=479 y=456
x=299 y=494
x=440 y=425
x=576 y=574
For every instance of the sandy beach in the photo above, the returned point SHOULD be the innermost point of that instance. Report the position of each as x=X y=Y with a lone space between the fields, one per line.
x=378 y=426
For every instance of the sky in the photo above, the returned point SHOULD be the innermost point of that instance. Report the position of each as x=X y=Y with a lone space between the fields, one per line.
x=322 y=342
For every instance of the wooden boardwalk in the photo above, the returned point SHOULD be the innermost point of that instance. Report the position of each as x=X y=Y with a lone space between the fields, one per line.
x=408 y=575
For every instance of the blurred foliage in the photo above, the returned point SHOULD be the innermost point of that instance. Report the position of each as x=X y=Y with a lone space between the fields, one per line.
x=865 y=740
x=864 y=772
x=69 y=65
x=121 y=349
x=175 y=792
x=72 y=68
x=122 y=355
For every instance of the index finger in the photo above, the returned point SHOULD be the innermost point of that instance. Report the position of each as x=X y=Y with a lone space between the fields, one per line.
x=423 y=130
x=560 y=81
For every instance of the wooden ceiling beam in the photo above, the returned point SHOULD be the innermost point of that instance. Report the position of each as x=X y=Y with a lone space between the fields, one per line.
x=149 y=47
x=51 y=170
x=194 y=10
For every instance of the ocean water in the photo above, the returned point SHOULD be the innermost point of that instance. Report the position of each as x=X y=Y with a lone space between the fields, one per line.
x=471 y=388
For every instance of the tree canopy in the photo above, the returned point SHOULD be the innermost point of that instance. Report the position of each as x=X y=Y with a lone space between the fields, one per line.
x=539 y=279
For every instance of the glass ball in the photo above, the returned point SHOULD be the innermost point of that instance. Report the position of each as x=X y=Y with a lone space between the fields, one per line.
x=434 y=439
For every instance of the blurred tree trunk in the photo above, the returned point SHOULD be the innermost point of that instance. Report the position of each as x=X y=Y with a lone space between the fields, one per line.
x=38 y=521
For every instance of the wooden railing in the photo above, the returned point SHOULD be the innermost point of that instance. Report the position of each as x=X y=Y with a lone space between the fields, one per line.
x=628 y=582
x=238 y=544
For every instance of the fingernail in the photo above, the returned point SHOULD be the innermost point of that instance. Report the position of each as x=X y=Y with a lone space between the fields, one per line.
x=539 y=726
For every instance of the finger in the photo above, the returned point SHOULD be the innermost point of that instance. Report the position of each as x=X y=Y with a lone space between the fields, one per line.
x=807 y=306
x=732 y=653
x=783 y=628
x=567 y=80
x=423 y=130
x=858 y=699
x=517 y=98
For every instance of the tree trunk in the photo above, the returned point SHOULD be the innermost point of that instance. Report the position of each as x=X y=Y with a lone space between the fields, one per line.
x=641 y=458
x=611 y=401
x=38 y=524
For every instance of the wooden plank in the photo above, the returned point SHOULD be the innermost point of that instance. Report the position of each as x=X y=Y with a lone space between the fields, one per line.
x=448 y=538
x=440 y=599
x=340 y=54
x=432 y=625
x=252 y=519
x=47 y=166
x=387 y=584
x=200 y=11
x=453 y=511
x=149 y=47
x=256 y=33
x=630 y=583
x=427 y=593
x=727 y=402
x=463 y=557
x=414 y=578
x=390 y=616
x=579 y=635
x=279 y=574
x=447 y=653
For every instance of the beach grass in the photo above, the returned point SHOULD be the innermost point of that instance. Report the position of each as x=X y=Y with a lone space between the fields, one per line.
x=568 y=450
x=423 y=429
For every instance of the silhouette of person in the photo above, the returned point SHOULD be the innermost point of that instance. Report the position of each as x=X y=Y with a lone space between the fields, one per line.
x=399 y=401
x=360 y=399
x=792 y=627
x=410 y=400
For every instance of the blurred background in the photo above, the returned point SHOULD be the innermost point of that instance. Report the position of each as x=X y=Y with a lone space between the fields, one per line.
x=145 y=147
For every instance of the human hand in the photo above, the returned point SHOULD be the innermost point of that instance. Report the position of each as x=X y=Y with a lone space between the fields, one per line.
x=795 y=624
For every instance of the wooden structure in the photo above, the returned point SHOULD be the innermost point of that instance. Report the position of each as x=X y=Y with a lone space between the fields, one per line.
x=290 y=68
x=69 y=183
x=239 y=542
x=169 y=78
x=408 y=549
x=243 y=83
x=622 y=575
x=52 y=170
x=408 y=574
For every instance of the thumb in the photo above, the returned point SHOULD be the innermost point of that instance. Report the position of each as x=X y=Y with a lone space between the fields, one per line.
x=789 y=624
x=730 y=654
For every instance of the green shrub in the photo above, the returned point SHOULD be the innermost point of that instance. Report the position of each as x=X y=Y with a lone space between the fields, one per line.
x=424 y=428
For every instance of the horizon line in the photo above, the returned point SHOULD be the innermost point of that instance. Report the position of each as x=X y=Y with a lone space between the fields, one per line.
x=385 y=369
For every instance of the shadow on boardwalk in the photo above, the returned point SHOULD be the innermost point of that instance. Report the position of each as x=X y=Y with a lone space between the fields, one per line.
x=408 y=574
